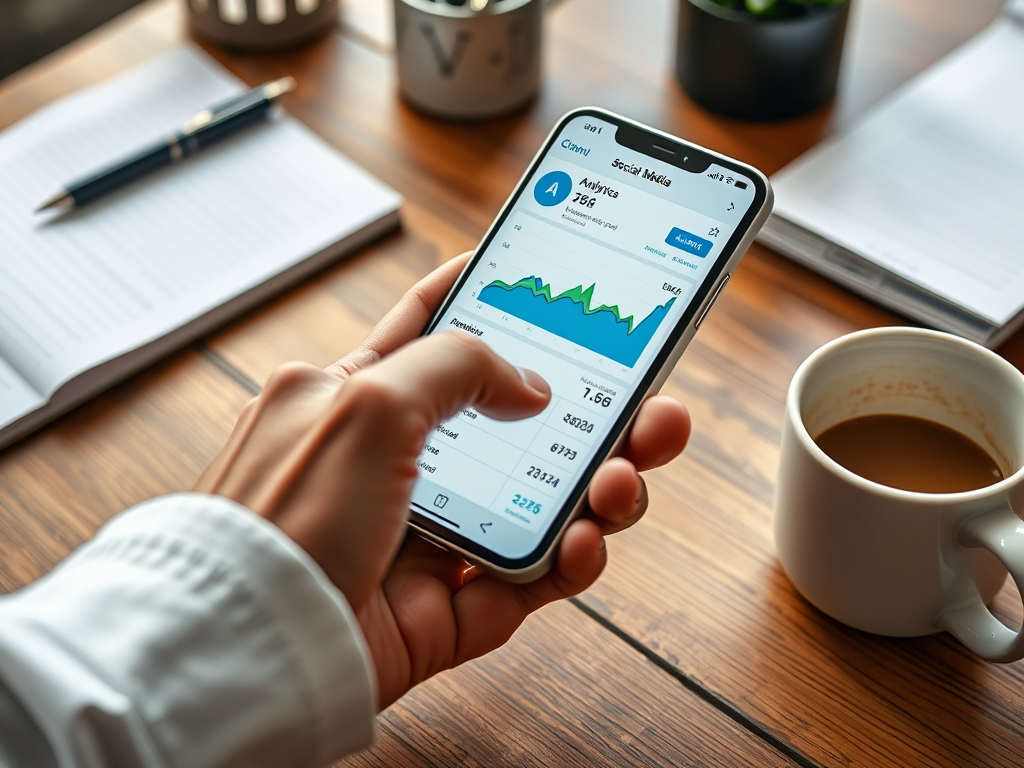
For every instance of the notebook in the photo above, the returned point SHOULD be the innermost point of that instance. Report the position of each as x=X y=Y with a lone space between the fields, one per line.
x=89 y=297
x=918 y=205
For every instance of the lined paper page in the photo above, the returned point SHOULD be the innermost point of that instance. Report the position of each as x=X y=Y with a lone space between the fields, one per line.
x=931 y=184
x=16 y=395
x=88 y=286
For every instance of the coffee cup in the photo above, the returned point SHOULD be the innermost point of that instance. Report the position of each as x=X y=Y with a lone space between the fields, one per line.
x=897 y=562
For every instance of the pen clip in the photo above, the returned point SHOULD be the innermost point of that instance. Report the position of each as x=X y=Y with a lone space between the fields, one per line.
x=267 y=91
x=197 y=121
x=278 y=87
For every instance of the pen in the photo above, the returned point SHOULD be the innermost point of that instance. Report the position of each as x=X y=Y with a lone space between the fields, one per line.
x=203 y=129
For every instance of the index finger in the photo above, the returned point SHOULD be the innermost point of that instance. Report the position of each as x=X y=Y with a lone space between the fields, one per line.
x=406 y=319
x=438 y=375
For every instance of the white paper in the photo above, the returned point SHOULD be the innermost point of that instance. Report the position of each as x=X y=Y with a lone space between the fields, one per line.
x=930 y=185
x=16 y=395
x=82 y=288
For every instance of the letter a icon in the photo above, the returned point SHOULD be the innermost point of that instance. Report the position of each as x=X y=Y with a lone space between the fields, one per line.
x=552 y=188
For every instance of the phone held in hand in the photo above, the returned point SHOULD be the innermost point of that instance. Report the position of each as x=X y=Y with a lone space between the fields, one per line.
x=596 y=274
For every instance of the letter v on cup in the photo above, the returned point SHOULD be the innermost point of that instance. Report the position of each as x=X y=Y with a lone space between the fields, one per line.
x=896 y=562
x=456 y=61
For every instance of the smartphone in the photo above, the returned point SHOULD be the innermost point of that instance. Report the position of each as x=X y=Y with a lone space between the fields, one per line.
x=596 y=274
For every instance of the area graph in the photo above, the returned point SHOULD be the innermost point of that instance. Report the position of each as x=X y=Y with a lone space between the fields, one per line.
x=573 y=315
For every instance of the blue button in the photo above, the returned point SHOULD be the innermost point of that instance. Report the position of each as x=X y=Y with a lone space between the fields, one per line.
x=680 y=238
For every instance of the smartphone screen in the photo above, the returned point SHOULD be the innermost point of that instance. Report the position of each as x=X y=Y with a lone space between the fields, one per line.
x=598 y=263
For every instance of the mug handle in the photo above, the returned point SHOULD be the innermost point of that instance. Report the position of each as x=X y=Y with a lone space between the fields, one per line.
x=1001 y=532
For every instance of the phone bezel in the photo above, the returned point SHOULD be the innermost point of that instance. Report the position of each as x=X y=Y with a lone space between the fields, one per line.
x=639 y=136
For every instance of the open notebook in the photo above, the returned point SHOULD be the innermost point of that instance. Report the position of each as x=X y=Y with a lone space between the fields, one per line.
x=920 y=203
x=92 y=296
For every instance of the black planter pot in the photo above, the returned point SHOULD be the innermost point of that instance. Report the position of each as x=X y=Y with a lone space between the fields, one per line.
x=759 y=69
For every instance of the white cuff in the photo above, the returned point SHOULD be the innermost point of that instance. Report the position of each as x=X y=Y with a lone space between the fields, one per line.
x=203 y=632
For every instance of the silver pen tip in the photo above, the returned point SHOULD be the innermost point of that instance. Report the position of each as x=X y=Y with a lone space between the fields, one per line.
x=276 y=88
x=60 y=200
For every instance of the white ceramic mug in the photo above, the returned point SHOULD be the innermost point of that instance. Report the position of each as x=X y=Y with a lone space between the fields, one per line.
x=896 y=562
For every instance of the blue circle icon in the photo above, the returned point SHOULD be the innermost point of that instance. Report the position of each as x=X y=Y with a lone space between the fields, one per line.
x=552 y=188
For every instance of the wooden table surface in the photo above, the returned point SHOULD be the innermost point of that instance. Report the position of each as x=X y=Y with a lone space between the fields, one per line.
x=693 y=648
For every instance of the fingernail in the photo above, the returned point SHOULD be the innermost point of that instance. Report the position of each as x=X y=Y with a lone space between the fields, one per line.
x=534 y=381
x=641 y=493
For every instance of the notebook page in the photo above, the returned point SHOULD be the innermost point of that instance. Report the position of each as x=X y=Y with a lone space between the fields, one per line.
x=82 y=288
x=16 y=395
x=931 y=184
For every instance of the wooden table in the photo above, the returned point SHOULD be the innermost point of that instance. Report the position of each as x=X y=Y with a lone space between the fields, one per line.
x=693 y=649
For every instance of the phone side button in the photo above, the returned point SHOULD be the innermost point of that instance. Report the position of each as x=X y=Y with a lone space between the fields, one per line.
x=718 y=292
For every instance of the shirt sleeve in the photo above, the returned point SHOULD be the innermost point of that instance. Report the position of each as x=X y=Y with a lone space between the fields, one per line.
x=190 y=633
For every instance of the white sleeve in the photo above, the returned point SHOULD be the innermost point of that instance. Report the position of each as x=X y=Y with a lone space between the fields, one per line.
x=189 y=633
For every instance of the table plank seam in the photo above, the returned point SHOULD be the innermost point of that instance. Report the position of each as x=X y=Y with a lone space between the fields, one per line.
x=697 y=688
x=227 y=368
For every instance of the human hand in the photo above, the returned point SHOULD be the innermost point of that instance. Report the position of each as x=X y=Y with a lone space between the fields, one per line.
x=330 y=457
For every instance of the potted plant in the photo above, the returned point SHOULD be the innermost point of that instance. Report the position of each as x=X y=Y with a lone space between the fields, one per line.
x=760 y=59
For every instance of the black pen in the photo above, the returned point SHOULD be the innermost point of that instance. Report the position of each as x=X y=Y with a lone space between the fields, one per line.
x=208 y=126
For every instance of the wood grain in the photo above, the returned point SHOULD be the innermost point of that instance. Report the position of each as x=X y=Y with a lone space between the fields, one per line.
x=565 y=693
x=152 y=434
x=697 y=583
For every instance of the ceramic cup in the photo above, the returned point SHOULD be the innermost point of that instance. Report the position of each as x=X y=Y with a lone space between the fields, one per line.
x=896 y=562
x=458 y=62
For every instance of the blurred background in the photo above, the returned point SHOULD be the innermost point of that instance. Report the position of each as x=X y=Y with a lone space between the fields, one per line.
x=30 y=29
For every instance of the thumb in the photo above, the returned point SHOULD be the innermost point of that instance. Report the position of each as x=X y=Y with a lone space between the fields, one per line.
x=405 y=321
x=438 y=375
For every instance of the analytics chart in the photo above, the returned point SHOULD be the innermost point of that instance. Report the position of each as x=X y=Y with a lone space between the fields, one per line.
x=583 y=300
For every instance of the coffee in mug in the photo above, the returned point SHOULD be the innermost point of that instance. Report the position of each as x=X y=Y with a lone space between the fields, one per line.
x=885 y=524
x=909 y=453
